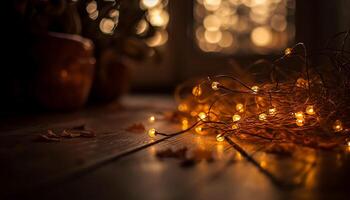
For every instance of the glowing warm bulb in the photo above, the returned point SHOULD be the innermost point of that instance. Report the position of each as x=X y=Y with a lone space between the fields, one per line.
x=302 y=83
x=236 y=117
x=348 y=144
x=299 y=115
x=184 y=121
x=182 y=107
x=152 y=132
x=215 y=85
x=240 y=107
x=337 y=126
x=149 y=3
x=300 y=122
x=152 y=119
x=220 y=138
x=199 y=129
x=184 y=124
x=310 y=110
x=262 y=116
x=197 y=90
x=272 y=111
x=288 y=51
x=235 y=126
x=255 y=89
x=202 y=115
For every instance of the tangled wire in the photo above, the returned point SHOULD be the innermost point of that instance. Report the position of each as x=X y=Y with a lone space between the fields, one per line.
x=286 y=101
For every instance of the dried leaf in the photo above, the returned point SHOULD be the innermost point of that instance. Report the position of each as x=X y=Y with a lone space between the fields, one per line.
x=50 y=136
x=45 y=138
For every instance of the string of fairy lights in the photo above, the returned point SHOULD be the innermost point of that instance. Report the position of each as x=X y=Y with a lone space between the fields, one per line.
x=299 y=110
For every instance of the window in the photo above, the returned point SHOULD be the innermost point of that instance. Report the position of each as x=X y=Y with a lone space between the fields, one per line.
x=243 y=26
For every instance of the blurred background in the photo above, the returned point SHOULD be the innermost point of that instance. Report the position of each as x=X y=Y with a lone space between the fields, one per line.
x=64 y=54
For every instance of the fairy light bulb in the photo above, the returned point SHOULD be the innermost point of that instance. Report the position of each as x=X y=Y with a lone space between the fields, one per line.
x=184 y=124
x=337 y=126
x=236 y=117
x=197 y=91
x=299 y=122
x=152 y=132
x=199 y=129
x=299 y=115
x=220 y=138
x=235 y=126
x=152 y=119
x=255 y=89
x=348 y=143
x=202 y=115
x=240 y=107
x=215 y=85
x=262 y=117
x=310 y=110
x=288 y=51
x=272 y=111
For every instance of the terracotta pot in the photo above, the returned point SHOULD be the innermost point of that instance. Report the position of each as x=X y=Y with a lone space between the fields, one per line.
x=65 y=71
x=111 y=77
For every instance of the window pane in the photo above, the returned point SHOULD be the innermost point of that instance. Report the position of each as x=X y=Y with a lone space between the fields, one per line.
x=243 y=26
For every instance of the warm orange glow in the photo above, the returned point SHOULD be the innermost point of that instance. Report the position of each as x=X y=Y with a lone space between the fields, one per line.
x=107 y=26
x=299 y=122
x=337 y=126
x=211 y=5
x=220 y=138
x=142 y=27
x=236 y=117
x=310 y=110
x=261 y=36
x=262 y=117
x=302 y=83
x=272 y=111
x=152 y=119
x=158 y=17
x=255 y=89
x=159 y=38
x=199 y=130
x=299 y=115
x=202 y=115
x=288 y=51
x=152 y=132
x=182 y=107
x=235 y=126
x=91 y=7
x=226 y=40
x=149 y=3
x=197 y=91
x=215 y=85
x=212 y=23
x=212 y=36
x=240 y=107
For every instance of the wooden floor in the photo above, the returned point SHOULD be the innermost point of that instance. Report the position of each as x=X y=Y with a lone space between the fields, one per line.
x=118 y=164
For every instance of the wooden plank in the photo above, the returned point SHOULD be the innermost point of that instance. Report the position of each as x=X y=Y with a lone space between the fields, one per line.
x=123 y=165
x=27 y=164
x=231 y=176
x=144 y=176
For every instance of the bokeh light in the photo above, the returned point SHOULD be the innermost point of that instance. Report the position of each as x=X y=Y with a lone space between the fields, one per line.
x=107 y=26
x=258 y=26
x=261 y=36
